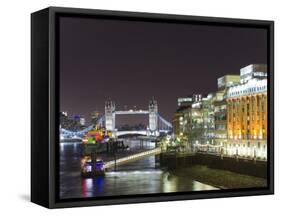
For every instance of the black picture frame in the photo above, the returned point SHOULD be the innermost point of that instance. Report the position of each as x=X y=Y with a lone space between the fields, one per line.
x=45 y=106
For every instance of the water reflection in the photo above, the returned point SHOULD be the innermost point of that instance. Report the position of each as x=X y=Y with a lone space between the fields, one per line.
x=91 y=187
x=139 y=177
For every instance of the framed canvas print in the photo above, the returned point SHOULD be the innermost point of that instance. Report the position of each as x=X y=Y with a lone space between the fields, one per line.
x=139 y=107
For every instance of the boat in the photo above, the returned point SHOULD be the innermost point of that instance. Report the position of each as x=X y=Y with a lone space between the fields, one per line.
x=91 y=169
x=97 y=135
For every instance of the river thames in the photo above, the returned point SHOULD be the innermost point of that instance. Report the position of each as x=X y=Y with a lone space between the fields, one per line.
x=138 y=177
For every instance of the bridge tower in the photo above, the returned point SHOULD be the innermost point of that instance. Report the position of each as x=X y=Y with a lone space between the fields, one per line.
x=110 y=115
x=153 y=116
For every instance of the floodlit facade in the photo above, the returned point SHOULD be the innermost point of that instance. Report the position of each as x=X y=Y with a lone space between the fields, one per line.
x=195 y=121
x=153 y=115
x=231 y=121
x=110 y=115
x=208 y=118
x=178 y=124
x=247 y=114
x=185 y=101
x=220 y=111
x=193 y=128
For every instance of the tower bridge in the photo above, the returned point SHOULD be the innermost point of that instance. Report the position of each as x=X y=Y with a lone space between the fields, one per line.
x=157 y=124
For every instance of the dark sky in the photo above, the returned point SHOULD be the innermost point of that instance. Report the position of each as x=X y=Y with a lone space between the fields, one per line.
x=130 y=62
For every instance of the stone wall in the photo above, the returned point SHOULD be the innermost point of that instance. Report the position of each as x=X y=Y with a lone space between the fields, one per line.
x=174 y=161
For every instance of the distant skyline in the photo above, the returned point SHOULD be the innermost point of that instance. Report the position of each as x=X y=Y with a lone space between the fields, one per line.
x=131 y=61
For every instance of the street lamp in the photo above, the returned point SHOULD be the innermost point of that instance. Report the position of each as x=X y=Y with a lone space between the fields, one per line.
x=221 y=150
x=255 y=154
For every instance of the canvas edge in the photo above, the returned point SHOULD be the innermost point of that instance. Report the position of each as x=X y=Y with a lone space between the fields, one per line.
x=53 y=203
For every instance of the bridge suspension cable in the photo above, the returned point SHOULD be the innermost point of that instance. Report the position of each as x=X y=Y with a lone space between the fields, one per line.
x=168 y=124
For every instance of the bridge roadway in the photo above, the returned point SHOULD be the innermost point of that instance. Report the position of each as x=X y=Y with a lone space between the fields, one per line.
x=141 y=132
x=128 y=112
x=134 y=157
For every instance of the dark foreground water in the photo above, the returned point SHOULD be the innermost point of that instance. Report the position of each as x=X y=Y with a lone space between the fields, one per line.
x=139 y=177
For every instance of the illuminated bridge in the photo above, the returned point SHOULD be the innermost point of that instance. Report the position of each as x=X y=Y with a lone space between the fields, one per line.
x=157 y=124
x=67 y=134
x=132 y=132
x=130 y=158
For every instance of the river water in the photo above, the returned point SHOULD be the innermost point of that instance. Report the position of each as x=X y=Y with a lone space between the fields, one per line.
x=139 y=177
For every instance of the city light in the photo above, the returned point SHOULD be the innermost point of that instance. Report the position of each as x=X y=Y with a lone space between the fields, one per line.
x=230 y=123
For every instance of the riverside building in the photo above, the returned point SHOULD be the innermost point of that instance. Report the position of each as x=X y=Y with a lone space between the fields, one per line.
x=246 y=105
x=220 y=111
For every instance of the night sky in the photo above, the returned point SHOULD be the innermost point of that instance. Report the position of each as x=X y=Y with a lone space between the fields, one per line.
x=130 y=62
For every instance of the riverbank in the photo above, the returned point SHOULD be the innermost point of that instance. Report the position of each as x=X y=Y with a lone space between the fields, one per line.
x=220 y=178
x=242 y=166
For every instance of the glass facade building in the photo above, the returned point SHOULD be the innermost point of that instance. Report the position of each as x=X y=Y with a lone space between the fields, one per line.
x=231 y=121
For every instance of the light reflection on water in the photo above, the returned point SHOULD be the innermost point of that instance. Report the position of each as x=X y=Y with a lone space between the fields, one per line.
x=198 y=186
x=139 y=177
